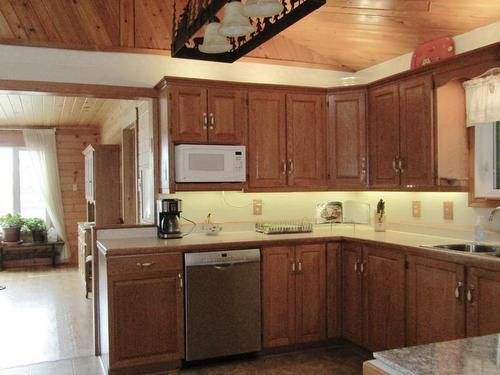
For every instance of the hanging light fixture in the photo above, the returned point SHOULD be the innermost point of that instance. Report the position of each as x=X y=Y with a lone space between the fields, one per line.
x=213 y=41
x=262 y=8
x=235 y=24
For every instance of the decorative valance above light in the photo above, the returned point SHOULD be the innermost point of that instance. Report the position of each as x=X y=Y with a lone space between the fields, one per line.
x=482 y=98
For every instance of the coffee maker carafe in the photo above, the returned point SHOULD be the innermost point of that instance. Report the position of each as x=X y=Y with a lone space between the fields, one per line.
x=169 y=211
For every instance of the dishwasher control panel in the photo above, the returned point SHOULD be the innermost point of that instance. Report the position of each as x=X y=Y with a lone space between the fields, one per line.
x=222 y=257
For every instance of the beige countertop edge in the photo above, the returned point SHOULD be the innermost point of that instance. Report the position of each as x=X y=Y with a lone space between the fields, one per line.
x=156 y=246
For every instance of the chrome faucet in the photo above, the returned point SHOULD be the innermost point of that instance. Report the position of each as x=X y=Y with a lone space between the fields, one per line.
x=493 y=212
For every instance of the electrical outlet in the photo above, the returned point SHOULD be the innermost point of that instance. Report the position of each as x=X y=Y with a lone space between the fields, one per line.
x=415 y=208
x=75 y=187
x=448 y=210
x=257 y=207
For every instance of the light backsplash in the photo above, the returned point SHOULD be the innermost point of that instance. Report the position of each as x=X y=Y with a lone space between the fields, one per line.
x=236 y=207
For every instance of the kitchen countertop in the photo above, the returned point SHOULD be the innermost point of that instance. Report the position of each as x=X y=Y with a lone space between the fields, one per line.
x=471 y=356
x=244 y=239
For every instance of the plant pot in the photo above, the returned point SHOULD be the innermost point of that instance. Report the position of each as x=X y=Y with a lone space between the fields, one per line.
x=39 y=235
x=11 y=234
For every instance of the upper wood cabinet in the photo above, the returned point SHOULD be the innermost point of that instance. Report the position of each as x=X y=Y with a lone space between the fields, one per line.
x=286 y=140
x=207 y=115
x=346 y=134
x=294 y=294
x=436 y=310
x=401 y=134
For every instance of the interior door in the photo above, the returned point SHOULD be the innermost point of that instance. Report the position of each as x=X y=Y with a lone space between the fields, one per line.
x=278 y=296
x=347 y=139
x=384 y=135
x=306 y=140
x=227 y=117
x=417 y=132
x=310 y=293
x=266 y=139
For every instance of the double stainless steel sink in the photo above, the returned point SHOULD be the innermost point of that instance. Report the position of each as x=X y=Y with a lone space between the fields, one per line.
x=473 y=248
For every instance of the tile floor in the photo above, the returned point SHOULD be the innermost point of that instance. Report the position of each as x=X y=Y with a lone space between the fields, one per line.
x=44 y=316
x=77 y=366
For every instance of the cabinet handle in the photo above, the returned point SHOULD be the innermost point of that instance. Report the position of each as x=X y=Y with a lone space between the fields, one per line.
x=356 y=266
x=293 y=267
x=300 y=266
x=457 y=290
x=205 y=120
x=362 y=268
x=394 y=166
x=283 y=166
x=181 y=281
x=144 y=265
x=212 y=121
x=469 y=294
x=290 y=166
x=401 y=165
x=363 y=165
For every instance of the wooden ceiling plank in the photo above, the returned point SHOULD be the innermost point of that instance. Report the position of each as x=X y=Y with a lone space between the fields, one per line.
x=12 y=20
x=66 y=22
x=94 y=25
x=413 y=5
x=47 y=21
x=127 y=23
x=37 y=105
x=29 y=19
x=17 y=107
x=5 y=30
x=56 y=112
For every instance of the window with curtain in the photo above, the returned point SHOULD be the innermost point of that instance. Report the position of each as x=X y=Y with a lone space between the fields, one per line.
x=19 y=191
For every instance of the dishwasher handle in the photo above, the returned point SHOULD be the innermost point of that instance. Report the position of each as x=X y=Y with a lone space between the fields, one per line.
x=223 y=266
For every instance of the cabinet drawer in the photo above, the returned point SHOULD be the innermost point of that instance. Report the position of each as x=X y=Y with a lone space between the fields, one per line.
x=144 y=264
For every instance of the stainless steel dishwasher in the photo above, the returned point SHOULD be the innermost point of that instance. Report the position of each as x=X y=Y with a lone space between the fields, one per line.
x=223 y=304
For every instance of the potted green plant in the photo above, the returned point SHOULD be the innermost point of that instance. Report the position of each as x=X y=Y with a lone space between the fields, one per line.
x=11 y=227
x=38 y=229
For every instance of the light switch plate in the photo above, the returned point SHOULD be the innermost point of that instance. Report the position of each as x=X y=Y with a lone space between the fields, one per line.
x=415 y=209
x=448 y=210
x=257 y=207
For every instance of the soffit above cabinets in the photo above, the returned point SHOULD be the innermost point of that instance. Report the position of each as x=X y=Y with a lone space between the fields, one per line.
x=345 y=35
x=20 y=110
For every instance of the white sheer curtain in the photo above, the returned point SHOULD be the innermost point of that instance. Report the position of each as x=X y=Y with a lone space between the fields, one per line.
x=482 y=98
x=41 y=144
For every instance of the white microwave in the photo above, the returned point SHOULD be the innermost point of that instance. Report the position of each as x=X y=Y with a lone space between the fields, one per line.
x=210 y=163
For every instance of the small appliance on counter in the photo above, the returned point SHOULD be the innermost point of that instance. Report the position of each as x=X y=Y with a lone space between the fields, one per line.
x=169 y=211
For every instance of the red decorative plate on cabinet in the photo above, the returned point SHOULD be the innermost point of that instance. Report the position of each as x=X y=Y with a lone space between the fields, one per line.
x=433 y=51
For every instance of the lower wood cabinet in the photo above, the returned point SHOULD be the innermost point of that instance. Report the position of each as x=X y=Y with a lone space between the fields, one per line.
x=436 y=300
x=144 y=329
x=294 y=294
x=373 y=298
x=483 y=301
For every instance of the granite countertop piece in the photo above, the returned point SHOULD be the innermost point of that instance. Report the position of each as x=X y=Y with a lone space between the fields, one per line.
x=470 y=356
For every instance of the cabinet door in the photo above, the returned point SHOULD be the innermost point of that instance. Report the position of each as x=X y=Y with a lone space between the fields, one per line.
x=384 y=135
x=483 y=296
x=146 y=335
x=352 y=293
x=417 y=132
x=278 y=296
x=227 y=117
x=306 y=140
x=266 y=140
x=347 y=139
x=384 y=298
x=310 y=293
x=333 y=290
x=436 y=312
x=188 y=114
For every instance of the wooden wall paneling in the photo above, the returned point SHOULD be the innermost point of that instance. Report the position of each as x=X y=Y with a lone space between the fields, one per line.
x=306 y=140
x=416 y=141
x=153 y=24
x=70 y=144
x=266 y=139
x=346 y=139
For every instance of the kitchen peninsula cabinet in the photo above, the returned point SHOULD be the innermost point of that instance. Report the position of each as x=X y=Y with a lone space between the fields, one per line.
x=286 y=141
x=346 y=134
x=141 y=312
x=373 y=300
x=294 y=294
x=402 y=134
x=436 y=310
x=215 y=115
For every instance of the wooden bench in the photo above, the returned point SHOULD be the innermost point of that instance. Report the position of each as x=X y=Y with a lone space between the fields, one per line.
x=30 y=250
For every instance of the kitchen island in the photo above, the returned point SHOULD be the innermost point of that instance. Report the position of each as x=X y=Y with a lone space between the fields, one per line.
x=470 y=356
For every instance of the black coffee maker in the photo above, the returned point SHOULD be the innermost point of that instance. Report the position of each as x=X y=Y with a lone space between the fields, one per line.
x=169 y=211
